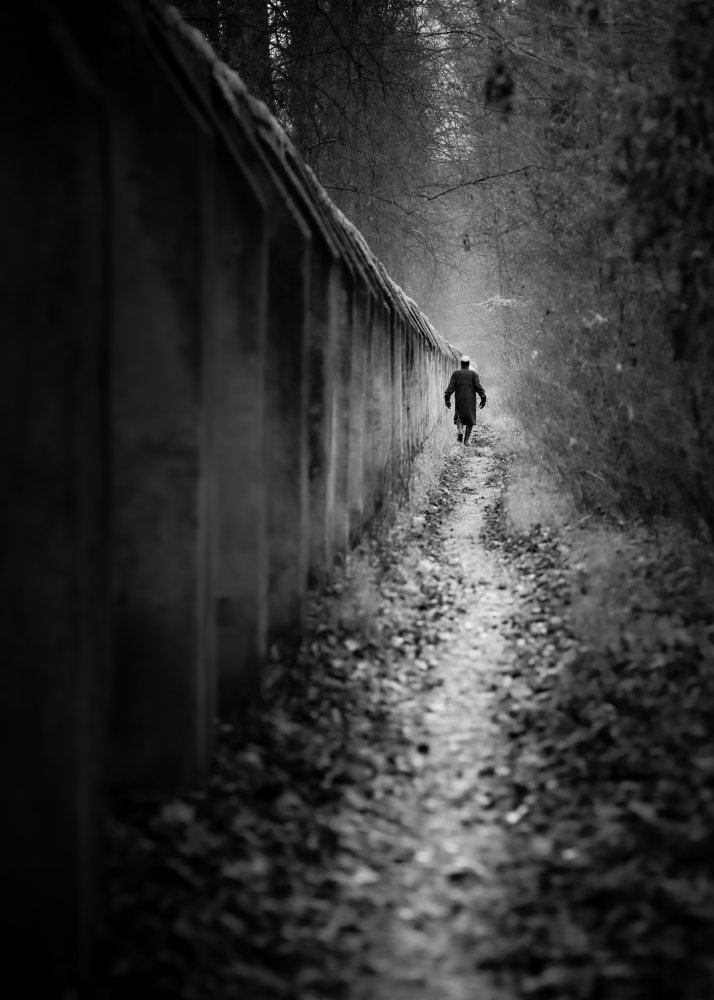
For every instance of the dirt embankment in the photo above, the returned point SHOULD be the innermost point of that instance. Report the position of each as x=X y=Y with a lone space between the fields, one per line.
x=488 y=772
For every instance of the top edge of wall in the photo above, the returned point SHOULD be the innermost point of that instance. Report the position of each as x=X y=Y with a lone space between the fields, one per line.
x=341 y=236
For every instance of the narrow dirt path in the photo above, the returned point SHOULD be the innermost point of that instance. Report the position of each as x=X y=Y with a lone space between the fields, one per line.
x=435 y=927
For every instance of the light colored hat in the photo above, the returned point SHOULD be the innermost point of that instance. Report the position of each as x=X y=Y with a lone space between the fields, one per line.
x=465 y=359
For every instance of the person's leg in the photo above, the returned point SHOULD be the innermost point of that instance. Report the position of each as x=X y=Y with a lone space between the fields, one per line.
x=459 y=429
x=467 y=433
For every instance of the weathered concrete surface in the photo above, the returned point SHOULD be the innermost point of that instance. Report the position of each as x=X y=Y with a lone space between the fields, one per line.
x=340 y=404
x=322 y=327
x=53 y=501
x=358 y=409
x=239 y=292
x=285 y=416
x=161 y=353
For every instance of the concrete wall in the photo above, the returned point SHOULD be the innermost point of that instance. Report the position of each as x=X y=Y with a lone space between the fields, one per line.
x=208 y=386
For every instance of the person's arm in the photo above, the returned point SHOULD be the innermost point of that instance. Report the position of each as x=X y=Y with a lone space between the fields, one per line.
x=480 y=390
x=450 y=389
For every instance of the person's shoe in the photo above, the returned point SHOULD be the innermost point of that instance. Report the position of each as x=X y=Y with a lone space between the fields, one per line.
x=459 y=437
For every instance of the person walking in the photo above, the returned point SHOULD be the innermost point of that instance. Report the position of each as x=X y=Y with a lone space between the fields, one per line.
x=466 y=384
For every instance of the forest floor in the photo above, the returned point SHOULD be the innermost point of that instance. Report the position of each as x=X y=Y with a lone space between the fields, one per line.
x=488 y=773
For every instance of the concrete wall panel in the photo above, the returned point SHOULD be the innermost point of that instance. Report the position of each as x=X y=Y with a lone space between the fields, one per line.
x=397 y=403
x=341 y=413
x=358 y=409
x=321 y=393
x=239 y=307
x=369 y=459
x=380 y=402
x=53 y=498
x=285 y=414
x=161 y=190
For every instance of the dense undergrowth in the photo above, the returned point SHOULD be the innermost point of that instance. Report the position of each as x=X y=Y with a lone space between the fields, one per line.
x=626 y=429
x=607 y=310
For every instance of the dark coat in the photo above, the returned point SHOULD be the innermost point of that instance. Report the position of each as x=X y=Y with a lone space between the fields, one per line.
x=466 y=384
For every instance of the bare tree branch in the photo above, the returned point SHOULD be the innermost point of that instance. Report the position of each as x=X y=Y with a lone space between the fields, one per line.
x=480 y=180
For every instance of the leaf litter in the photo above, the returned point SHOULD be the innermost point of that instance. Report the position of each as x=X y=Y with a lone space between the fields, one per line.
x=609 y=889
x=487 y=772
